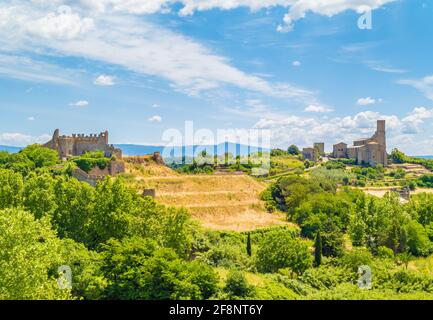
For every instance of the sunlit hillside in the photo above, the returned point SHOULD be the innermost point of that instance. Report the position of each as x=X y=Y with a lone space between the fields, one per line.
x=219 y=202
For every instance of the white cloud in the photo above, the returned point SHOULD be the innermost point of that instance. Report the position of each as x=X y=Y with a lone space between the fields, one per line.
x=424 y=85
x=406 y=133
x=383 y=67
x=104 y=80
x=155 y=105
x=366 y=101
x=27 y=69
x=296 y=63
x=317 y=109
x=31 y=118
x=329 y=8
x=155 y=118
x=141 y=6
x=130 y=42
x=61 y=25
x=412 y=122
x=80 y=103
x=20 y=140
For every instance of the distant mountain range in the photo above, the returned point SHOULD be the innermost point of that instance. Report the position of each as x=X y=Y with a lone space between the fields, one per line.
x=140 y=150
x=238 y=149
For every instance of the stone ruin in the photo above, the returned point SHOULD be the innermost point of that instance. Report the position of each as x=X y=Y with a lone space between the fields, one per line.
x=78 y=144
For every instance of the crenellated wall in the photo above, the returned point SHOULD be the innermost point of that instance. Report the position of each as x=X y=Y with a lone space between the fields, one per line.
x=78 y=144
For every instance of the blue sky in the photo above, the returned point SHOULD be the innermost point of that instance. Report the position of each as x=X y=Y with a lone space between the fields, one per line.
x=302 y=69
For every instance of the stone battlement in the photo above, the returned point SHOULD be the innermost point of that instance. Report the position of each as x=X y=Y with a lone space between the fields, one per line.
x=78 y=144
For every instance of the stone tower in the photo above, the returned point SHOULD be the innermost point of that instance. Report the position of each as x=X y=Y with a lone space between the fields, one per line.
x=366 y=151
x=381 y=133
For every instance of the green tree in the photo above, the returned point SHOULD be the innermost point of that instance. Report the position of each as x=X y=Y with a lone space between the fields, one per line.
x=332 y=239
x=88 y=280
x=11 y=189
x=29 y=258
x=293 y=150
x=17 y=162
x=74 y=208
x=39 y=197
x=138 y=268
x=237 y=286
x=249 y=244
x=418 y=242
x=280 y=249
x=318 y=250
x=114 y=204
x=40 y=156
x=397 y=156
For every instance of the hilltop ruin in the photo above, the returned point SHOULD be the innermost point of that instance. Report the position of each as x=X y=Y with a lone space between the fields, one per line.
x=78 y=144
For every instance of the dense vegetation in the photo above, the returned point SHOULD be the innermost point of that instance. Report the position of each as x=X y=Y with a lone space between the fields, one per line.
x=120 y=245
x=91 y=160
x=399 y=157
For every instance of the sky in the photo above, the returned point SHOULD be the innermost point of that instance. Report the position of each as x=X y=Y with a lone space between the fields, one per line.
x=306 y=70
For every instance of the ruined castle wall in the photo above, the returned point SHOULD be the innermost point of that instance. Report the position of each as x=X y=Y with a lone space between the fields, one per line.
x=83 y=145
x=65 y=147
x=117 y=167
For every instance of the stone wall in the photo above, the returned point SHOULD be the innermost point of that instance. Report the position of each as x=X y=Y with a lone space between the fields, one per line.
x=370 y=151
x=78 y=144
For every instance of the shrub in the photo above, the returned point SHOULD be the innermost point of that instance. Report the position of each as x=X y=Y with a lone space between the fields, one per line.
x=279 y=249
x=237 y=286
x=385 y=253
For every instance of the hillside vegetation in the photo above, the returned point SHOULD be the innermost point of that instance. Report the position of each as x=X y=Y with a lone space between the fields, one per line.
x=218 y=202
x=337 y=242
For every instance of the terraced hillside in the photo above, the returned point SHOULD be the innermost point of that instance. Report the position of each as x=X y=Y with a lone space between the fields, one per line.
x=219 y=202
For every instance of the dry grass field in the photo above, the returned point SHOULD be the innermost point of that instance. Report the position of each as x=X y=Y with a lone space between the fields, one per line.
x=219 y=202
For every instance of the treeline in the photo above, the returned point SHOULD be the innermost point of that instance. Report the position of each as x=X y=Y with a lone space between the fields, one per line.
x=399 y=157
x=120 y=245
x=371 y=222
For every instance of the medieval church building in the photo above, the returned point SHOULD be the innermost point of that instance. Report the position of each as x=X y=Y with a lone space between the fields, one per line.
x=370 y=151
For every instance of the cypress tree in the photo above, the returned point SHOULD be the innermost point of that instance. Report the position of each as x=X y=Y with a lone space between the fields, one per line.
x=249 y=244
x=318 y=250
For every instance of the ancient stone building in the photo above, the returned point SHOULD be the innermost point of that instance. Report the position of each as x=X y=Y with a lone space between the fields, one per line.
x=340 y=150
x=320 y=146
x=314 y=153
x=78 y=144
x=311 y=154
x=369 y=151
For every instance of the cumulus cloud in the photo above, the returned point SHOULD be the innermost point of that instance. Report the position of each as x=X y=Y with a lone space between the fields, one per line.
x=104 y=80
x=304 y=131
x=365 y=101
x=317 y=109
x=80 y=103
x=61 y=25
x=155 y=118
x=412 y=122
x=296 y=63
x=424 y=85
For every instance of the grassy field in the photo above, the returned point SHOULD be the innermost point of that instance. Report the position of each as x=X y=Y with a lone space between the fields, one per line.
x=219 y=202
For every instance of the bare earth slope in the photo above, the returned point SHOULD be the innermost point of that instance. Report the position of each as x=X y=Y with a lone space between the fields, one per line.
x=219 y=202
